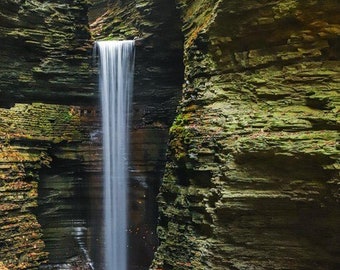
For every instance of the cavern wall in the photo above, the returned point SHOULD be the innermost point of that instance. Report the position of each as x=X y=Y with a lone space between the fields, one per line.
x=44 y=54
x=252 y=175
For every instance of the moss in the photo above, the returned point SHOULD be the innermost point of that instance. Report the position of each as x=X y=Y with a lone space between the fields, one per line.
x=285 y=8
x=181 y=136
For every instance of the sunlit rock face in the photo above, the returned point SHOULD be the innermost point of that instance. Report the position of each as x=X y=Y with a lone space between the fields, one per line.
x=252 y=177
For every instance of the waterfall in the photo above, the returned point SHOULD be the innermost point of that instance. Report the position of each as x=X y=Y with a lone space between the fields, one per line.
x=116 y=62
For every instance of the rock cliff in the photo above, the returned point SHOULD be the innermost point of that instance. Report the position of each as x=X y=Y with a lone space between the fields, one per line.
x=252 y=175
x=45 y=49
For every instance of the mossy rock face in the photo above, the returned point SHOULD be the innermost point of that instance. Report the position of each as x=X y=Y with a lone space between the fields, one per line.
x=253 y=170
x=31 y=137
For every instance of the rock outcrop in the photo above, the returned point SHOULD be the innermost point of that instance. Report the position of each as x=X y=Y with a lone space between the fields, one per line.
x=253 y=171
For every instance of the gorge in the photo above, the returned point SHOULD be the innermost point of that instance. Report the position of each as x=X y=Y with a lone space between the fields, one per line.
x=233 y=137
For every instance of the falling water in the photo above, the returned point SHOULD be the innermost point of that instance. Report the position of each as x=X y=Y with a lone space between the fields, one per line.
x=116 y=61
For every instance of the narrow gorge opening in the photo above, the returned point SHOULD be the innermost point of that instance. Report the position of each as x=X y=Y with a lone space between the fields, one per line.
x=157 y=90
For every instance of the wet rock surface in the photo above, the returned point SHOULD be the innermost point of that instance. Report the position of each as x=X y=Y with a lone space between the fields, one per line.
x=252 y=176
x=33 y=136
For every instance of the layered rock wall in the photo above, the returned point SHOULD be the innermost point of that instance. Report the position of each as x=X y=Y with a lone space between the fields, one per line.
x=32 y=136
x=44 y=54
x=253 y=171
x=252 y=175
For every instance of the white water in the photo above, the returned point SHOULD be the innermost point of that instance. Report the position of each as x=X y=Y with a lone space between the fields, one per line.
x=116 y=61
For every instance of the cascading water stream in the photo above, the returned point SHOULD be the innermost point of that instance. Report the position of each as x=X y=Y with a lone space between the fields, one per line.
x=116 y=62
